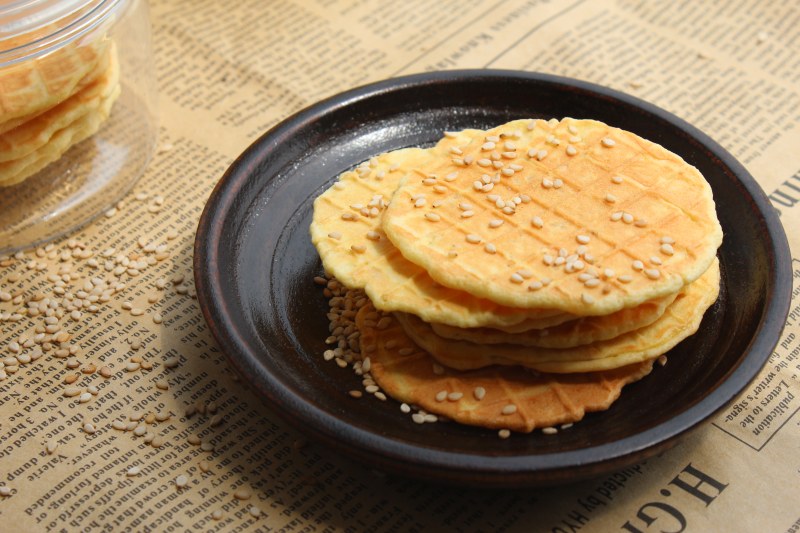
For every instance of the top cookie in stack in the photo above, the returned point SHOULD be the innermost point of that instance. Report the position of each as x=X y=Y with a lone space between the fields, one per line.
x=549 y=201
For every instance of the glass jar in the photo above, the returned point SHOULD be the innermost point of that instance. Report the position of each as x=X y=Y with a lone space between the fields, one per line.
x=78 y=119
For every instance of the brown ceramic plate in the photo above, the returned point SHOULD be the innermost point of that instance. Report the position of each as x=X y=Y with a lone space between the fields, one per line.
x=254 y=265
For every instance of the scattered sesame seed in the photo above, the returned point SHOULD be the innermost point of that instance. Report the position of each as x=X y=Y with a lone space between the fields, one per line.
x=616 y=179
x=549 y=431
x=479 y=393
x=5 y=491
x=254 y=512
x=587 y=298
x=616 y=216
x=473 y=239
x=335 y=235
x=133 y=471
x=495 y=223
x=667 y=249
x=216 y=515
x=608 y=142
x=433 y=217
x=242 y=494
x=490 y=248
x=537 y=222
x=610 y=198
x=181 y=481
x=637 y=265
x=504 y=433
x=627 y=218
x=662 y=360
x=571 y=150
x=441 y=396
x=583 y=239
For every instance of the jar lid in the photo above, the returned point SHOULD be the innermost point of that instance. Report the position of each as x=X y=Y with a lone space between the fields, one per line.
x=29 y=28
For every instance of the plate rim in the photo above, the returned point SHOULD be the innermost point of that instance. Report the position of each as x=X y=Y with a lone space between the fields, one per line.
x=395 y=455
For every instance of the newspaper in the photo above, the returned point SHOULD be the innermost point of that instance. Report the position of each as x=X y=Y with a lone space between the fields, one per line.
x=171 y=441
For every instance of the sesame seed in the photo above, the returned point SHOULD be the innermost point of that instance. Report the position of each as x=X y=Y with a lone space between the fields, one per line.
x=133 y=471
x=405 y=408
x=516 y=278
x=181 y=481
x=432 y=217
x=627 y=218
x=637 y=265
x=541 y=154
x=610 y=198
x=583 y=239
x=640 y=223
x=667 y=240
x=537 y=222
x=479 y=393
x=616 y=179
x=547 y=183
x=503 y=433
x=624 y=278
x=488 y=146
x=616 y=216
x=483 y=162
x=535 y=286
x=455 y=396
x=571 y=150
x=490 y=248
x=468 y=213
x=358 y=248
x=662 y=360
x=495 y=223
x=655 y=260
x=608 y=142
x=509 y=409
x=667 y=249
x=242 y=494
x=473 y=239
x=441 y=396
x=216 y=515
x=549 y=431
x=587 y=298
x=652 y=273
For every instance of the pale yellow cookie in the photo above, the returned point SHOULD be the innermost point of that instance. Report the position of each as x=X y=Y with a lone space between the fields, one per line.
x=550 y=200
x=83 y=127
x=346 y=231
x=494 y=397
x=31 y=86
x=680 y=320
x=30 y=136
x=583 y=330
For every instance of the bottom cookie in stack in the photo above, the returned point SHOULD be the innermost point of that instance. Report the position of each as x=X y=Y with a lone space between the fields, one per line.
x=514 y=387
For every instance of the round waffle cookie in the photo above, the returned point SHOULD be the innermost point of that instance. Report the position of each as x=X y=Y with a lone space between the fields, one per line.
x=346 y=231
x=36 y=132
x=494 y=397
x=583 y=330
x=549 y=201
x=33 y=145
x=30 y=87
x=680 y=320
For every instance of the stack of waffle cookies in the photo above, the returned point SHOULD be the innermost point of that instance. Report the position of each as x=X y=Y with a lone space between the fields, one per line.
x=519 y=277
x=52 y=102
